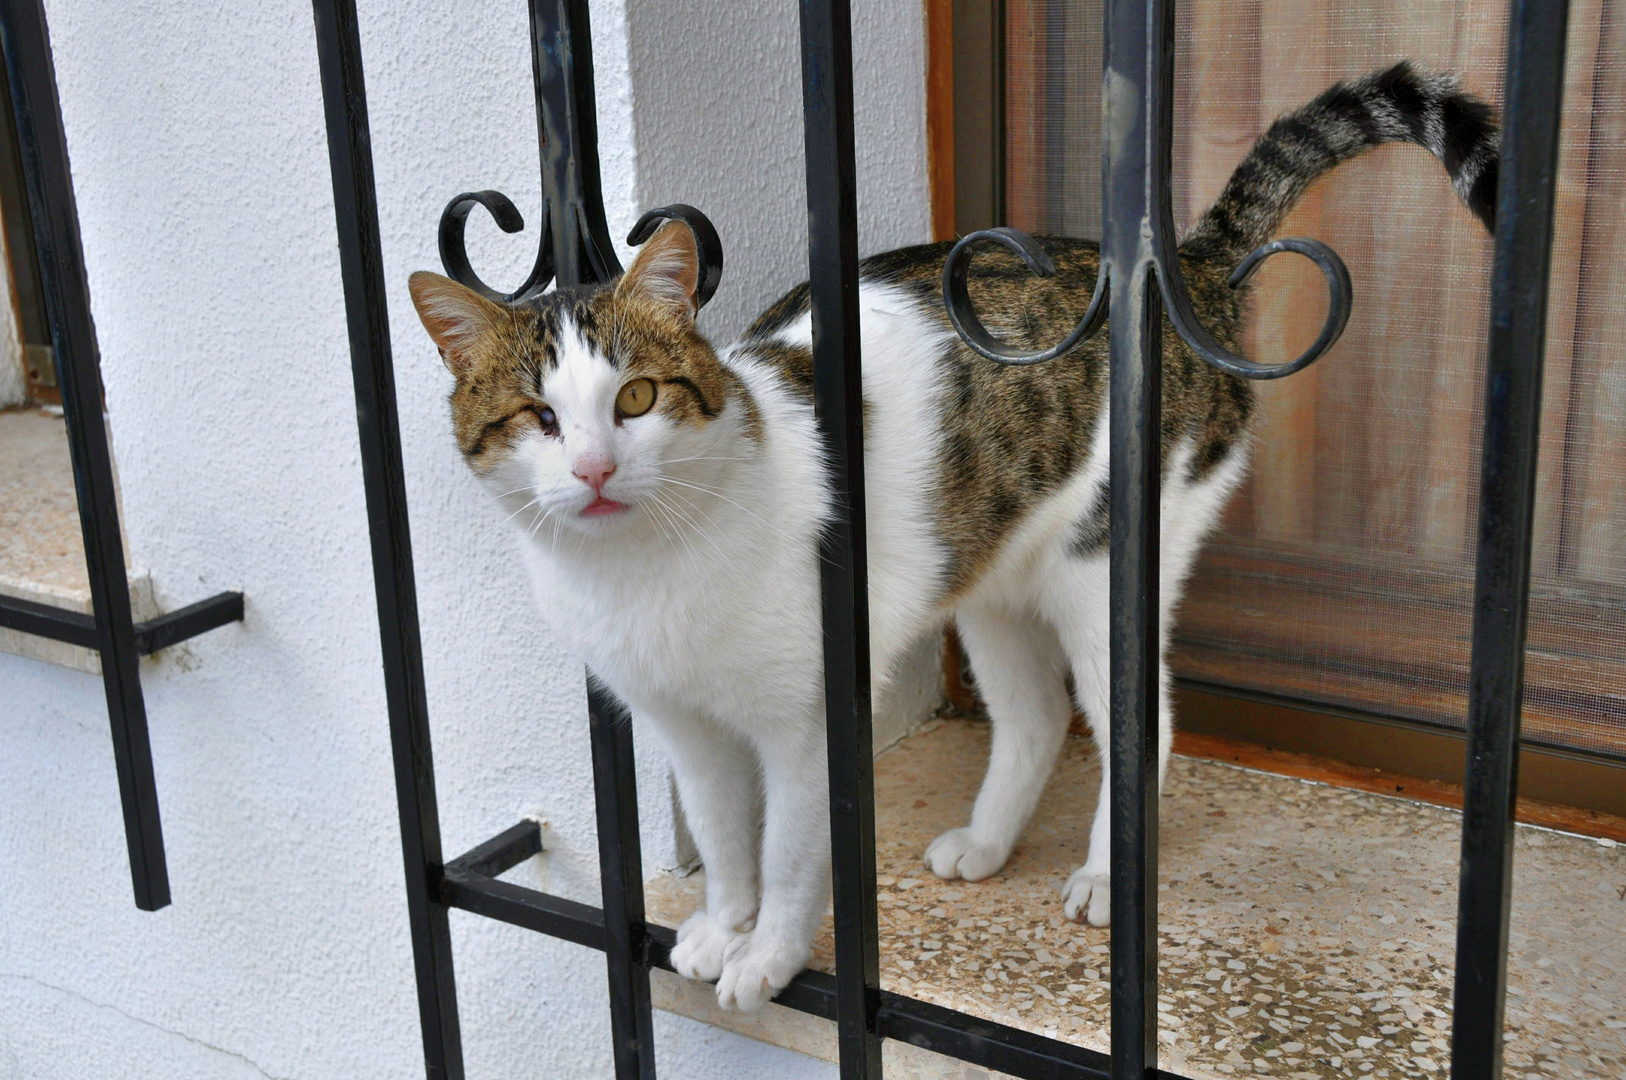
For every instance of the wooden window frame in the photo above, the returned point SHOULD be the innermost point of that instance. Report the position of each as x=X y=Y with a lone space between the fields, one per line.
x=26 y=293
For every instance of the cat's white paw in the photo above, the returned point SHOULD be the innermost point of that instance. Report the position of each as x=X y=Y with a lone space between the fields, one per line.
x=1088 y=895
x=701 y=943
x=956 y=854
x=755 y=968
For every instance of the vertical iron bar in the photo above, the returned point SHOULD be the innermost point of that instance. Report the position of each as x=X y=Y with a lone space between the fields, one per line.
x=567 y=140
x=1135 y=418
x=44 y=150
x=832 y=228
x=562 y=69
x=355 y=206
x=1524 y=235
x=615 y=788
x=1136 y=105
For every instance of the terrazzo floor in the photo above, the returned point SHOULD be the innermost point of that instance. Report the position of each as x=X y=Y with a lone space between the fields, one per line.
x=1304 y=931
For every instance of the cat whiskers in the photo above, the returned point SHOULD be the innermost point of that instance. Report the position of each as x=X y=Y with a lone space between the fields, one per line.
x=499 y=525
x=674 y=508
x=719 y=495
x=696 y=457
x=536 y=525
x=769 y=525
x=668 y=510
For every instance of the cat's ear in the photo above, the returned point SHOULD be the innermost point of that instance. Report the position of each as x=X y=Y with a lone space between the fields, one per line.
x=667 y=271
x=455 y=316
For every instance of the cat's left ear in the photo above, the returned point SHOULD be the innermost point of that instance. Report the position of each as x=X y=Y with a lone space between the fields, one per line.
x=666 y=271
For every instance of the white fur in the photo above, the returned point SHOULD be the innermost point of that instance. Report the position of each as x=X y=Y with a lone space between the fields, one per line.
x=700 y=608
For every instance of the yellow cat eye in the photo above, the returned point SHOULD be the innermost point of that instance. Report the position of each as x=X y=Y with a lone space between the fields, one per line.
x=635 y=398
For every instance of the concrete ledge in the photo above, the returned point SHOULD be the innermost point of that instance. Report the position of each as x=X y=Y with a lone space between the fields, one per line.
x=42 y=550
x=806 y=1034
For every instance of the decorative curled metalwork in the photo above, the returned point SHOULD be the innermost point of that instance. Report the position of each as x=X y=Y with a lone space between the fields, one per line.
x=1176 y=300
x=455 y=257
x=961 y=312
x=575 y=243
x=1340 y=299
x=1137 y=215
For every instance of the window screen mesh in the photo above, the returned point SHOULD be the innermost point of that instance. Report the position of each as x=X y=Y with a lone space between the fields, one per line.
x=1343 y=573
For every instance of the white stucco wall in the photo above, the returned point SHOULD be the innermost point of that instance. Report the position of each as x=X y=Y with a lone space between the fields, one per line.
x=719 y=93
x=200 y=165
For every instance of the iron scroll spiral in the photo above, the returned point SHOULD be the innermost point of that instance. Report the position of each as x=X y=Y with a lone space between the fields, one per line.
x=454 y=255
x=957 y=298
x=1176 y=300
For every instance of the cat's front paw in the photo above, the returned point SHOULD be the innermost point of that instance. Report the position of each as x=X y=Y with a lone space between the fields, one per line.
x=701 y=943
x=755 y=968
x=957 y=854
x=1088 y=896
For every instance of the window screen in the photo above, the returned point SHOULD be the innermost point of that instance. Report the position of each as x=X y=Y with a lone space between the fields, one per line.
x=1343 y=572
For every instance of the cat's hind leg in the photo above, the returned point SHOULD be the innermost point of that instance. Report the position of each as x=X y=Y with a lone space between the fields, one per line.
x=716 y=774
x=1021 y=670
x=1087 y=894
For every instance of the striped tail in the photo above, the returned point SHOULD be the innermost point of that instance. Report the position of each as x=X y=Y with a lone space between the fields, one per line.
x=1397 y=105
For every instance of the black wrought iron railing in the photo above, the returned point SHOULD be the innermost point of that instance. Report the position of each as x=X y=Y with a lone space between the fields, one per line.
x=111 y=630
x=1140 y=279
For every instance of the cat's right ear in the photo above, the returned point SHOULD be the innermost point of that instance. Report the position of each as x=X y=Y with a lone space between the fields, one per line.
x=456 y=316
x=666 y=271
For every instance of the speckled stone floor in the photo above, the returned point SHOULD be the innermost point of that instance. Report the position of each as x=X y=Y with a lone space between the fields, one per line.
x=1305 y=931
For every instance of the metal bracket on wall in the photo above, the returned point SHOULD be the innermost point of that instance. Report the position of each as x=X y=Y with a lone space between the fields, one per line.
x=111 y=630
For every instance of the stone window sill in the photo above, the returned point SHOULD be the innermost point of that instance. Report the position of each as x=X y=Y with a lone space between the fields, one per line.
x=42 y=553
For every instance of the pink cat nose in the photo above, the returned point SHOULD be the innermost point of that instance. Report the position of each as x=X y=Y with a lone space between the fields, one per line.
x=594 y=472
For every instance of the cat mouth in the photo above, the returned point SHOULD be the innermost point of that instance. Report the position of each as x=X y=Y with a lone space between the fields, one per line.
x=602 y=507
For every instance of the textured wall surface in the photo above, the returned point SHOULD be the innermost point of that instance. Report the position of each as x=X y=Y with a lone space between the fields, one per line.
x=200 y=164
x=719 y=93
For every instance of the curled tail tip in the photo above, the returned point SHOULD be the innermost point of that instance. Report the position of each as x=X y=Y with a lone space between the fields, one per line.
x=1452 y=124
x=1400 y=103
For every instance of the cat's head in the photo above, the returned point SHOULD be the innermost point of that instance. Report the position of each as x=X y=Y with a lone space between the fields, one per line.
x=596 y=410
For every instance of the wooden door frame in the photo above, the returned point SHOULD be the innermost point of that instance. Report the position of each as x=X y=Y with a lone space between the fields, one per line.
x=965 y=143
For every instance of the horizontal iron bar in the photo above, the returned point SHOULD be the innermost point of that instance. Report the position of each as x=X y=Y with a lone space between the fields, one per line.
x=985 y=1042
x=812 y=992
x=77 y=628
x=546 y=914
x=466 y=883
x=188 y=622
x=43 y=620
x=502 y=852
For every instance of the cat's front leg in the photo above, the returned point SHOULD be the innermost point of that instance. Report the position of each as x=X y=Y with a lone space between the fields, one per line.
x=795 y=871
x=716 y=776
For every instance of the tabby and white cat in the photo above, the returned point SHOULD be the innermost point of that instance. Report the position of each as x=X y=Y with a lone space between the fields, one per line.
x=671 y=496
